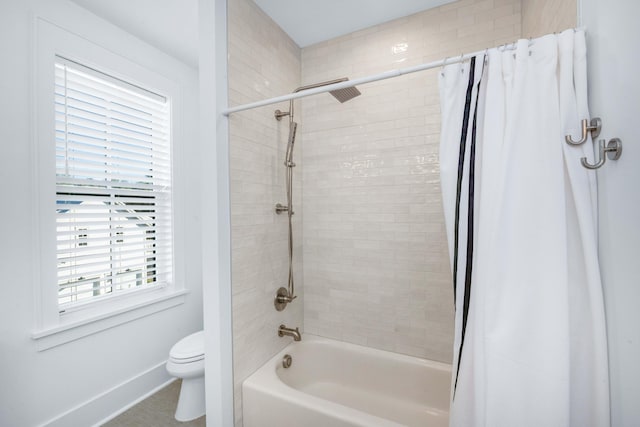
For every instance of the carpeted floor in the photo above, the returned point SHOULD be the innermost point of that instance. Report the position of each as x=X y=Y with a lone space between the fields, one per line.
x=155 y=411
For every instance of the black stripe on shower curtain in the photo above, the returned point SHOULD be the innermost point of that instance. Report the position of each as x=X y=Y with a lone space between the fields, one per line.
x=461 y=156
x=470 y=201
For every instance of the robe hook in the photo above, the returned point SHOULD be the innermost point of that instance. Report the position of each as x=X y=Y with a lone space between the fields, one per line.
x=593 y=127
x=612 y=150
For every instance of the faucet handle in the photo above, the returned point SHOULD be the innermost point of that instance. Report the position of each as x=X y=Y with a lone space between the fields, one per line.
x=283 y=297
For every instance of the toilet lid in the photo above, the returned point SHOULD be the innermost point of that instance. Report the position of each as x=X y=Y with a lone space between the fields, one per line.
x=189 y=347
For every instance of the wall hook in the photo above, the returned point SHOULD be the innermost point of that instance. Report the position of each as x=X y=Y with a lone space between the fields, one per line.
x=594 y=126
x=613 y=151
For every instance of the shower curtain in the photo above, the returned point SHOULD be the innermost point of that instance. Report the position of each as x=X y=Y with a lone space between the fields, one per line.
x=530 y=341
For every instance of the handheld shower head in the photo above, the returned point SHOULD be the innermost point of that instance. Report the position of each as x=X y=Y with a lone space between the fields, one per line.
x=293 y=126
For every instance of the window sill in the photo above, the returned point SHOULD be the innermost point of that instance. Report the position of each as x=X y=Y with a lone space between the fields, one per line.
x=72 y=330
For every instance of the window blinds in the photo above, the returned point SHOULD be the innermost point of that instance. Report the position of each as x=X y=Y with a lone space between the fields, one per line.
x=113 y=185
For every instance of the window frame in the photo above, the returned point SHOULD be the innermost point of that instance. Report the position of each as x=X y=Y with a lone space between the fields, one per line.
x=53 y=327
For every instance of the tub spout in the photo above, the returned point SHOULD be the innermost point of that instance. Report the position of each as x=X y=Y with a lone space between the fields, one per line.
x=283 y=330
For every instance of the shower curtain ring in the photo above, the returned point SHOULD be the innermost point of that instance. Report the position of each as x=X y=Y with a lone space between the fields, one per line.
x=444 y=64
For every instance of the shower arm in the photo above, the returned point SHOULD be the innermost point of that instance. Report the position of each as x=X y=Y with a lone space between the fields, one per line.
x=280 y=114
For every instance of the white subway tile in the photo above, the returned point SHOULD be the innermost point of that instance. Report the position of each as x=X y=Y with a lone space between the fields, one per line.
x=385 y=143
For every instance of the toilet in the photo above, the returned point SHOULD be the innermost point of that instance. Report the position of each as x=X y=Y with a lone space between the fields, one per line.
x=186 y=361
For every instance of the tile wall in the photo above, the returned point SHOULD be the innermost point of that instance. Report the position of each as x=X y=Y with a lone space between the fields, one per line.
x=540 y=17
x=263 y=62
x=376 y=268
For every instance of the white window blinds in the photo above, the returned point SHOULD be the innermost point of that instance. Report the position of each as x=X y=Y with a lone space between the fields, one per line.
x=113 y=186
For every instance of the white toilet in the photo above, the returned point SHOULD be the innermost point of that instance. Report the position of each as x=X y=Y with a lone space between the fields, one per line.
x=186 y=361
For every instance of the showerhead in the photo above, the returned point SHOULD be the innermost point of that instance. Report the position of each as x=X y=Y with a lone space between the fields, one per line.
x=343 y=95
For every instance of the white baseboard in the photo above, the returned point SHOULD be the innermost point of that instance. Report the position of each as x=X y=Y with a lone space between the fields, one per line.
x=111 y=403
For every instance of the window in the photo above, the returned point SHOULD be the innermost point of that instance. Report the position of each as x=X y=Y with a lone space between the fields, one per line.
x=113 y=186
x=113 y=122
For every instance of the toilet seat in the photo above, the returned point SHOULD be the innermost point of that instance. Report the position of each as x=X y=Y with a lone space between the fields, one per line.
x=189 y=349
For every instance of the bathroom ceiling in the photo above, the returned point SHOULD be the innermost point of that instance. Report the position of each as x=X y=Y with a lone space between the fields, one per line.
x=308 y=22
x=149 y=21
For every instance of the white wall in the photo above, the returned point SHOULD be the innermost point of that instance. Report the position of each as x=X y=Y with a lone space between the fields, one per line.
x=37 y=387
x=614 y=91
x=216 y=250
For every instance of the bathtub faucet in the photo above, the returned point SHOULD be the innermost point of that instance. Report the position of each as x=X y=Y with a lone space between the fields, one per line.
x=283 y=330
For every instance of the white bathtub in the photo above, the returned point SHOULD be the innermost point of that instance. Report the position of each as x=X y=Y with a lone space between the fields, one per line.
x=336 y=384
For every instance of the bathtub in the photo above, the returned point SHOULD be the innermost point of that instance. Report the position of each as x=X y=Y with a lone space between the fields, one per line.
x=336 y=384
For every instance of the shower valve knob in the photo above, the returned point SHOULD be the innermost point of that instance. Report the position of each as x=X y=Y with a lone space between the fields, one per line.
x=283 y=297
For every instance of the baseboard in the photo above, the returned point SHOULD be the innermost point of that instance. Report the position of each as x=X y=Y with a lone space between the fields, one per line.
x=111 y=403
x=135 y=402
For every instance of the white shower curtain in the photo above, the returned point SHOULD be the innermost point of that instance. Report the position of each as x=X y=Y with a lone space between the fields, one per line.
x=530 y=345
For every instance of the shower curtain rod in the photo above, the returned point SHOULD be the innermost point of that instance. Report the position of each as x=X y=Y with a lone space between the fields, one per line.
x=369 y=79
x=359 y=81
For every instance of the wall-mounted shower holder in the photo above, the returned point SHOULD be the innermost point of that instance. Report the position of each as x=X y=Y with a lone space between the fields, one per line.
x=280 y=114
x=280 y=208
